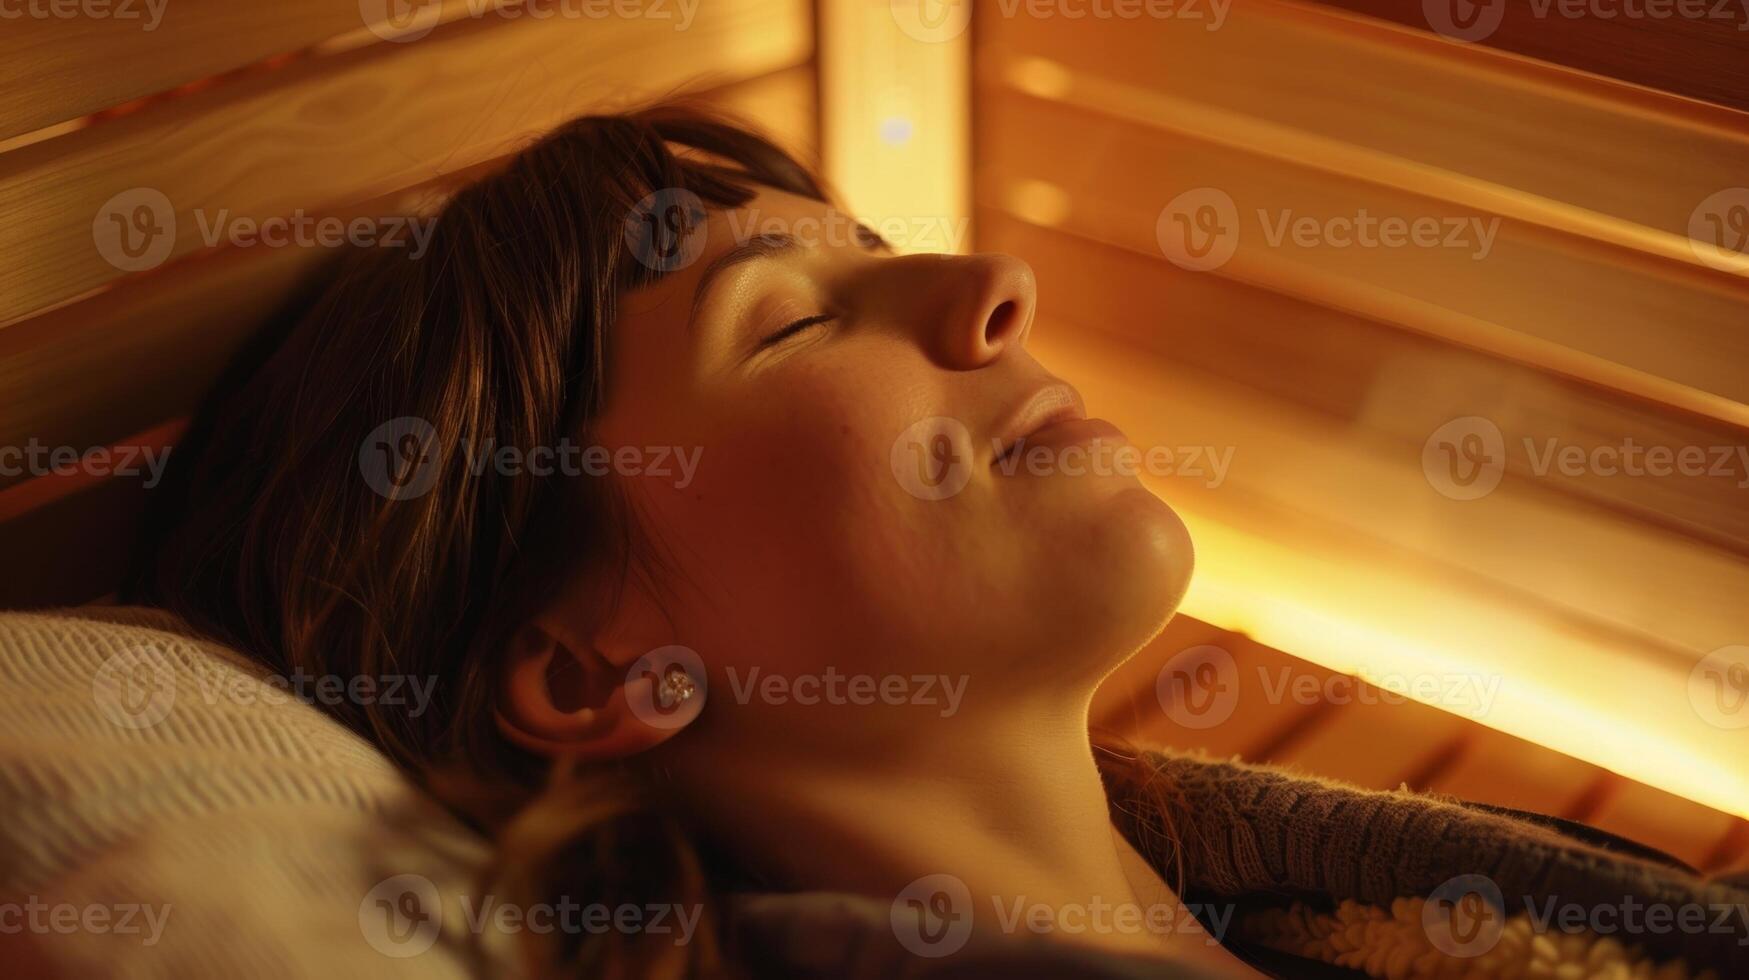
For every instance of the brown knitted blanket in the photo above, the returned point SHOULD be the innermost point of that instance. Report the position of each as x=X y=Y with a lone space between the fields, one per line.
x=1239 y=831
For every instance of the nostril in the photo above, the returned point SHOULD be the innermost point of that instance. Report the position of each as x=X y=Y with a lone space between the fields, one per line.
x=1002 y=322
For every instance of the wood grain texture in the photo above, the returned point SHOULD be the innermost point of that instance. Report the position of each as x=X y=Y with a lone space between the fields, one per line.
x=60 y=68
x=1645 y=313
x=1497 y=768
x=1396 y=385
x=1377 y=739
x=1315 y=541
x=1327 y=414
x=329 y=131
x=145 y=351
x=1305 y=83
x=1196 y=686
x=1703 y=57
x=1316 y=721
x=1684 y=829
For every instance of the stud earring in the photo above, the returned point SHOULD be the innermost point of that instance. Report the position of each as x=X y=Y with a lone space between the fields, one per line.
x=677 y=687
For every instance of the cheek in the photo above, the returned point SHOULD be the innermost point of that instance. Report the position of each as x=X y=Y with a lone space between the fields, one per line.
x=794 y=500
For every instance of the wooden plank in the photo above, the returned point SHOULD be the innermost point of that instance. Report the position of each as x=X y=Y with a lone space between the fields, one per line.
x=1325 y=397
x=1699 y=57
x=1506 y=771
x=72 y=377
x=1306 y=82
x=1199 y=687
x=1400 y=385
x=72 y=550
x=327 y=131
x=1125 y=701
x=62 y=67
x=1676 y=826
x=1376 y=739
x=1313 y=543
x=1585 y=296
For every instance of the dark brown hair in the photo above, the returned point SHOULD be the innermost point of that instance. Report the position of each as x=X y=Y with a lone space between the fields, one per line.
x=268 y=538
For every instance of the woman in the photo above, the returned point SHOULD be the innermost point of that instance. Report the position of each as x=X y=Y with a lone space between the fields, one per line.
x=474 y=466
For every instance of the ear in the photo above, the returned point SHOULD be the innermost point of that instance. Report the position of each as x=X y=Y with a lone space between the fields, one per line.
x=595 y=695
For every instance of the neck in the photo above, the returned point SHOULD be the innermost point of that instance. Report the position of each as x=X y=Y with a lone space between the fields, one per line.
x=1015 y=811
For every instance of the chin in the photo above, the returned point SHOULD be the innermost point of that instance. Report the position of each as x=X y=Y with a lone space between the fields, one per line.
x=1151 y=557
x=1123 y=570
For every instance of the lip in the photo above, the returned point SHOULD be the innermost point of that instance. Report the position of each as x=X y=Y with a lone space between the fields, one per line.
x=1049 y=407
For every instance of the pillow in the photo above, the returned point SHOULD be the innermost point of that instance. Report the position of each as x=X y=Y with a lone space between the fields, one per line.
x=173 y=811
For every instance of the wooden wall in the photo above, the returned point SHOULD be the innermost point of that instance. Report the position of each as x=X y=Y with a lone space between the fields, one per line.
x=246 y=112
x=1581 y=303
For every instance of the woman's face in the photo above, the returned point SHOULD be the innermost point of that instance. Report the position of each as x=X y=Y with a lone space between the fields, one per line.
x=852 y=512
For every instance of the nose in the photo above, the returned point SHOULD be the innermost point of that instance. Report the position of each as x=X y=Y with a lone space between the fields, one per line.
x=984 y=305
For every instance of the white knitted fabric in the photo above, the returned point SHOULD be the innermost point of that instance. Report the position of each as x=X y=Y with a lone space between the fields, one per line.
x=165 y=813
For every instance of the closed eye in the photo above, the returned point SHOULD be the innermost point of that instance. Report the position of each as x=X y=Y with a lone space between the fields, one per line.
x=783 y=333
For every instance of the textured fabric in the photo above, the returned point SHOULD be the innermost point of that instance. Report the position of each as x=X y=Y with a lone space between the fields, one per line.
x=152 y=778
x=1251 y=830
x=142 y=767
x=1395 y=944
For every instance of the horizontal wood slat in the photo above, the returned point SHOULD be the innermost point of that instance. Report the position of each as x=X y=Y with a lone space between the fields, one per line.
x=1356 y=404
x=74 y=549
x=1506 y=771
x=1294 y=713
x=60 y=68
x=1686 y=830
x=328 y=131
x=1307 y=83
x=73 y=377
x=1149 y=699
x=1586 y=627
x=1704 y=57
x=1653 y=316
x=1388 y=383
x=68 y=60
x=1377 y=744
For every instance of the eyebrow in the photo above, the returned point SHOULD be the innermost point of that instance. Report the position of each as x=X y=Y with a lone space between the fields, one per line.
x=764 y=247
x=758 y=247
